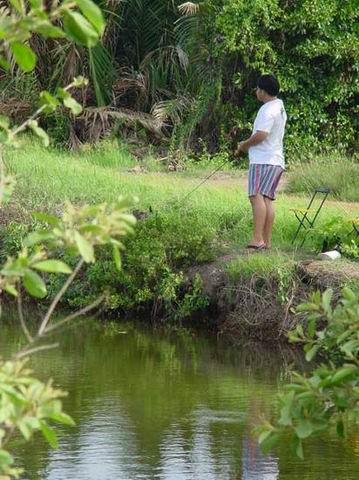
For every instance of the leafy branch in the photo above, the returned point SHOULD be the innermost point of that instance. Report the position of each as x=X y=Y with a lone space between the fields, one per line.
x=330 y=395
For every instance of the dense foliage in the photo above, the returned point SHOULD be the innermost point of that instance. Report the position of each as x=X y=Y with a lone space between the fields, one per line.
x=313 y=48
x=180 y=71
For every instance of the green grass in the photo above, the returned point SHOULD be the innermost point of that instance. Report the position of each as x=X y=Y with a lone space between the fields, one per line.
x=267 y=264
x=339 y=173
x=47 y=177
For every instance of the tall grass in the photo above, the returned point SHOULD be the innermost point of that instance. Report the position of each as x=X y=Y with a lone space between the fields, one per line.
x=339 y=173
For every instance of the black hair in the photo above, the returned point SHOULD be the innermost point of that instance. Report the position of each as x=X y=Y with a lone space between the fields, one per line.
x=269 y=84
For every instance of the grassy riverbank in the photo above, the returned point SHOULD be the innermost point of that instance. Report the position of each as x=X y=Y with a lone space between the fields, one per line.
x=174 y=234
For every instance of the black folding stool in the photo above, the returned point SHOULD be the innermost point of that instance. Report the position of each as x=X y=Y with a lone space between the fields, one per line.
x=303 y=214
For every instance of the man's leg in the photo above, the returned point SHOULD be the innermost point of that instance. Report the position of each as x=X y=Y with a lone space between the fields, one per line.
x=268 y=225
x=259 y=209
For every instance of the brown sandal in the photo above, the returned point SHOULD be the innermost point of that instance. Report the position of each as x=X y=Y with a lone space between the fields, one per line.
x=257 y=247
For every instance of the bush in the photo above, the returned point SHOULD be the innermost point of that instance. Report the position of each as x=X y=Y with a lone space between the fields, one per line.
x=153 y=264
x=337 y=233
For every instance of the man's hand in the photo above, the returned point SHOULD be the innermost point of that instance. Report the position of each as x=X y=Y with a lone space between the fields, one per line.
x=256 y=138
x=242 y=147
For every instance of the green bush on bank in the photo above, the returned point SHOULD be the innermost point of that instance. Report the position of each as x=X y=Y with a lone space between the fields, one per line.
x=153 y=266
x=155 y=260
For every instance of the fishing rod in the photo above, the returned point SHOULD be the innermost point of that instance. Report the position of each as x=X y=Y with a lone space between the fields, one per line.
x=183 y=199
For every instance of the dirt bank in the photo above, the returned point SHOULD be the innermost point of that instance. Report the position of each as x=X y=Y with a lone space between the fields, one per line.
x=263 y=307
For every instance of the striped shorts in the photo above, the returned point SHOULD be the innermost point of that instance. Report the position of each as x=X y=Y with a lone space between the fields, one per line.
x=263 y=179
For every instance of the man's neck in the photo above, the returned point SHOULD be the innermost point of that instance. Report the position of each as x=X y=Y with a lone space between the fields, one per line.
x=269 y=99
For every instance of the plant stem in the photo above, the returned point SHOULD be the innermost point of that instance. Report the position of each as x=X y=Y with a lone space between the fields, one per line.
x=58 y=297
x=74 y=315
x=22 y=319
x=29 y=351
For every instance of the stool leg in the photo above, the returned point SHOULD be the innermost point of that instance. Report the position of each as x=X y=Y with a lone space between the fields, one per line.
x=301 y=224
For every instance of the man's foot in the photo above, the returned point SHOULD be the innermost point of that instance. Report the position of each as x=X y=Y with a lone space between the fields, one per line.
x=252 y=246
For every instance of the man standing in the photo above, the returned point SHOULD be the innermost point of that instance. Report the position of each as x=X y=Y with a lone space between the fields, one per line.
x=266 y=159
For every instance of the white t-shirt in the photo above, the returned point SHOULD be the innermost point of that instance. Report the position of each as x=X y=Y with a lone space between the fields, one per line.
x=271 y=118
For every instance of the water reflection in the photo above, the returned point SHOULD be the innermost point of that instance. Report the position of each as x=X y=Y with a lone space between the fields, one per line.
x=257 y=466
x=153 y=407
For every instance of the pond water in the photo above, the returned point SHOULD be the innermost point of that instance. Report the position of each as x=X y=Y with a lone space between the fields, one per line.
x=179 y=407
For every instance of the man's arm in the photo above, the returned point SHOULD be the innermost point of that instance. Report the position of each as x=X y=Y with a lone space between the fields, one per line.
x=258 y=137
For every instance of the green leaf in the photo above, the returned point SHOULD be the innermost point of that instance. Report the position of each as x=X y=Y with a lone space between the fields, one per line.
x=74 y=106
x=18 y=5
x=43 y=217
x=49 y=434
x=69 y=102
x=263 y=432
x=344 y=336
x=15 y=395
x=348 y=294
x=88 y=228
x=49 y=100
x=343 y=374
x=307 y=307
x=11 y=290
x=80 y=81
x=36 y=3
x=49 y=409
x=117 y=257
x=286 y=410
x=34 y=284
x=270 y=442
x=327 y=299
x=79 y=29
x=4 y=64
x=38 y=237
x=92 y=13
x=4 y=122
x=298 y=447
x=62 y=418
x=24 y=56
x=25 y=429
x=304 y=429
x=85 y=248
x=6 y=458
x=13 y=270
x=52 y=266
x=340 y=428
x=312 y=353
x=46 y=29
x=39 y=132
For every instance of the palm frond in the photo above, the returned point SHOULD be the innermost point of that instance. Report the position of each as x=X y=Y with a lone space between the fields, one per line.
x=173 y=110
x=102 y=71
x=189 y=8
x=99 y=121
